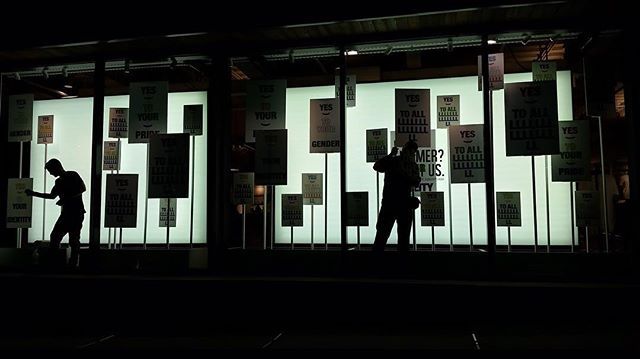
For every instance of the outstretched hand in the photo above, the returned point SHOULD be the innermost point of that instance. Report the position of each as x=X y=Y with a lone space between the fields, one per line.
x=28 y=192
x=394 y=151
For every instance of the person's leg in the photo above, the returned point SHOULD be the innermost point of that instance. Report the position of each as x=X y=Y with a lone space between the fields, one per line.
x=383 y=228
x=405 y=218
x=57 y=233
x=75 y=227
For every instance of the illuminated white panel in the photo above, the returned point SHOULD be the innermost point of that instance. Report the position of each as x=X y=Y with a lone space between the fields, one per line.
x=375 y=109
x=72 y=145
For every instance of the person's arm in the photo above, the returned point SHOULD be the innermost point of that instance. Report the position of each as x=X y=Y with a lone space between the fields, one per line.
x=382 y=165
x=51 y=195
x=415 y=176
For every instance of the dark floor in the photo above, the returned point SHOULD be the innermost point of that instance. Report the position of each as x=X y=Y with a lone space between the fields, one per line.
x=164 y=300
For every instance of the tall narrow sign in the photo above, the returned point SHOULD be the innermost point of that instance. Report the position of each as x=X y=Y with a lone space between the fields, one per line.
x=111 y=156
x=266 y=105
x=192 y=119
x=325 y=126
x=413 y=117
x=358 y=209
x=243 y=187
x=350 y=87
x=531 y=115
x=509 y=210
x=19 y=205
x=169 y=166
x=312 y=188
x=121 y=204
x=448 y=110
x=292 y=210
x=430 y=165
x=543 y=71
x=432 y=209
x=271 y=157
x=118 y=122
x=466 y=154
x=170 y=206
x=20 y=118
x=45 y=130
x=377 y=146
x=148 y=110
x=587 y=208
x=574 y=162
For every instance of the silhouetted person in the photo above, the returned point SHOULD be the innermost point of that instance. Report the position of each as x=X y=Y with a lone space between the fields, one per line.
x=401 y=175
x=69 y=188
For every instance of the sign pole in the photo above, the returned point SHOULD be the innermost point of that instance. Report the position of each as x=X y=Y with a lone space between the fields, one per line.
x=573 y=226
x=546 y=180
x=450 y=209
x=291 y=237
x=535 y=207
x=244 y=223
x=44 y=190
x=326 y=198
x=273 y=216
x=264 y=212
x=109 y=236
x=413 y=225
x=509 y=239
x=167 y=219
x=604 y=189
x=146 y=203
x=19 y=231
x=377 y=194
x=358 y=231
x=470 y=218
x=586 y=236
x=312 y=244
x=118 y=172
x=433 y=239
x=193 y=178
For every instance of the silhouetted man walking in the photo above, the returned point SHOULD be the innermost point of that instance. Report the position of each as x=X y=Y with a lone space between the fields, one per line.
x=69 y=188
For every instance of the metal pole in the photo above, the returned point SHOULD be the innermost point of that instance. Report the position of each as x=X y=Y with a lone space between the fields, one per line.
x=109 y=236
x=509 y=239
x=244 y=223
x=193 y=178
x=605 y=202
x=413 y=226
x=343 y=149
x=377 y=194
x=273 y=217
x=146 y=202
x=546 y=180
x=573 y=226
x=586 y=236
x=326 y=198
x=291 y=237
x=470 y=219
x=312 y=244
x=167 y=219
x=118 y=172
x=19 y=231
x=450 y=209
x=358 y=231
x=535 y=207
x=264 y=220
x=433 y=239
x=44 y=190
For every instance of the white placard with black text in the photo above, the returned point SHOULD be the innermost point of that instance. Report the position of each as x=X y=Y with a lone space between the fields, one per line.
x=118 y=122
x=312 y=188
x=121 y=201
x=19 y=205
x=350 y=86
x=169 y=166
x=168 y=205
x=543 y=70
x=377 y=146
x=432 y=209
x=509 y=210
x=111 y=156
x=147 y=110
x=266 y=105
x=271 y=157
x=496 y=72
x=413 y=117
x=45 y=130
x=574 y=161
x=325 y=126
x=531 y=115
x=466 y=153
x=448 y=110
x=20 y=118
x=292 y=210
